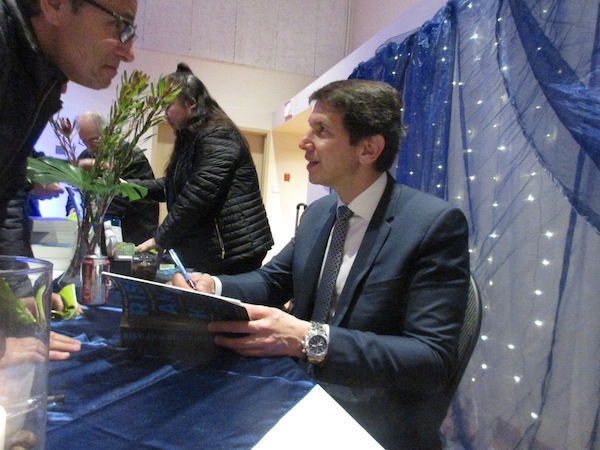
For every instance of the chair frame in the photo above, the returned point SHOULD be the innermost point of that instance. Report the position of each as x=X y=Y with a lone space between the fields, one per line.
x=469 y=335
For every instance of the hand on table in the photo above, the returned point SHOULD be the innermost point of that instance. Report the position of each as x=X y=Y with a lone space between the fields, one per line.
x=22 y=350
x=42 y=192
x=59 y=305
x=32 y=350
x=62 y=346
x=146 y=246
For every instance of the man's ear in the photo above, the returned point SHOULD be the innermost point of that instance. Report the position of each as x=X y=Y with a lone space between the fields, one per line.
x=371 y=149
x=52 y=9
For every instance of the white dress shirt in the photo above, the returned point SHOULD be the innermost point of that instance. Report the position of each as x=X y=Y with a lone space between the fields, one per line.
x=363 y=208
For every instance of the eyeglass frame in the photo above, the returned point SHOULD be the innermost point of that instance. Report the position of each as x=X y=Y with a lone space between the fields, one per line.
x=128 y=33
x=85 y=142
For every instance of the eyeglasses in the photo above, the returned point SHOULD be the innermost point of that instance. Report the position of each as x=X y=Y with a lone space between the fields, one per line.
x=89 y=142
x=128 y=32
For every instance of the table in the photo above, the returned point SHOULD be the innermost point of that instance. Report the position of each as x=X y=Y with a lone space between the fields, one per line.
x=116 y=400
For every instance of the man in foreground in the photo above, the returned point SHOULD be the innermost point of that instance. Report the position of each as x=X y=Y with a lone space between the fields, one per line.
x=384 y=343
x=43 y=45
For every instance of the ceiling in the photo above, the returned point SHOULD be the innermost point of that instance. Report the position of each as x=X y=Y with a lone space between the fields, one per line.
x=305 y=37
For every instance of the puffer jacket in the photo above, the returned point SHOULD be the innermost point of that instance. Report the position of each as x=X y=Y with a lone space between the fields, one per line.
x=30 y=89
x=217 y=220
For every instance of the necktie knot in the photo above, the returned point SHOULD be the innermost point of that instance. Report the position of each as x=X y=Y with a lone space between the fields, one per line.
x=343 y=213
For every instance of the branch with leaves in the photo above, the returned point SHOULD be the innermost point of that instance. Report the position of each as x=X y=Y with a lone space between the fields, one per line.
x=137 y=109
x=134 y=113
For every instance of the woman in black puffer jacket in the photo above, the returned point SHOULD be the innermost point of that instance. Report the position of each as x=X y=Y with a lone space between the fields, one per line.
x=217 y=221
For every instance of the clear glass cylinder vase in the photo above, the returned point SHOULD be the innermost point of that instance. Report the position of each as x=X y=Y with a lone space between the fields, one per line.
x=89 y=238
x=25 y=304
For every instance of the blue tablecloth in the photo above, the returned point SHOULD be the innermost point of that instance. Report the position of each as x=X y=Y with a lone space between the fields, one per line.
x=116 y=400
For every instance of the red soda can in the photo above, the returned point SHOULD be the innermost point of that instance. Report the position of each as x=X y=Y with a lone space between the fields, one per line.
x=94 y=290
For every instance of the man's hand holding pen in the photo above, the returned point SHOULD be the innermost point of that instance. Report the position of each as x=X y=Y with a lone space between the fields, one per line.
x=203 y=282
x=181 y=268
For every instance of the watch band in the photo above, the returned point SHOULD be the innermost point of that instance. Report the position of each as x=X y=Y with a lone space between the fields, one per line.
x=315 y=343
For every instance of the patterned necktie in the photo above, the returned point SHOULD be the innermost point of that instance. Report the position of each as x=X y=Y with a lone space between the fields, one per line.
x=333 y=262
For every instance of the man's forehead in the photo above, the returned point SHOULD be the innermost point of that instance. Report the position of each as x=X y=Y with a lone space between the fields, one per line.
x=324 y=112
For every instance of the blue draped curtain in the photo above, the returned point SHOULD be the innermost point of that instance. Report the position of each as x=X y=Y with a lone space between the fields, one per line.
x=502 y=109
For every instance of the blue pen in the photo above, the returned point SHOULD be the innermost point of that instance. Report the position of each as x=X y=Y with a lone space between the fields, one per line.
x=181 y=268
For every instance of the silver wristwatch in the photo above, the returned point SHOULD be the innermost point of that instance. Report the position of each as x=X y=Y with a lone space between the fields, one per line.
x=316 y=343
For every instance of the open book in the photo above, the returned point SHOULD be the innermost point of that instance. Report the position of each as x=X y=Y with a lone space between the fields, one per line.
x=170 y=321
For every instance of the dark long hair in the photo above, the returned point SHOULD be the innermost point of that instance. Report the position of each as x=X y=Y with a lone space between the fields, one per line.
x=207 y=109
x=206 y=114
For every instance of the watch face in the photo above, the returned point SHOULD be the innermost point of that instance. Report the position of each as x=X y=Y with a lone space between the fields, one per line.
x=317 y=345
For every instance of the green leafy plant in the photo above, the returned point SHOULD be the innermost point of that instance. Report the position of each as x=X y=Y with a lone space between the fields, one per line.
x=15 y=312
x=137 y=109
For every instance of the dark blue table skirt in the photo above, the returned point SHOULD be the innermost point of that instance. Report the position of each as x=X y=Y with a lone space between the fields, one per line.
x=116 y=400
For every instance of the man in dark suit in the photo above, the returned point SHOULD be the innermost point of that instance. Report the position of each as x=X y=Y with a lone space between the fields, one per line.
x=387 y=345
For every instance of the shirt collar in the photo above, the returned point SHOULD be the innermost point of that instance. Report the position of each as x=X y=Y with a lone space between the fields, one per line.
x=365 y=204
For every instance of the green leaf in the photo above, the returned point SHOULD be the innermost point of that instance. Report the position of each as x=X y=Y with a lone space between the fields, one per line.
x=49 y=170
x=13 y=309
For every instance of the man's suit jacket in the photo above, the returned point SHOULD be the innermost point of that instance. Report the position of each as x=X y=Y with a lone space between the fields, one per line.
x=394 y=336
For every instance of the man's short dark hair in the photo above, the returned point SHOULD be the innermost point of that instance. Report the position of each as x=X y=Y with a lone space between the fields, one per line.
x=368 y=108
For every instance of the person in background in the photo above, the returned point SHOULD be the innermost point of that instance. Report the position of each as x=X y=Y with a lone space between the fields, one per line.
x=43 y=45
x=382 y=341
x=138 y=219
x=40 y=192
x=217 y=220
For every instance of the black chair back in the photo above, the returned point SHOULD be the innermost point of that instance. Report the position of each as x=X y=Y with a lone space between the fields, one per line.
x=469 y=335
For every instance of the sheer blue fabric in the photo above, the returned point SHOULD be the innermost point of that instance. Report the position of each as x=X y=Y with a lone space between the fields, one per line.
x=502 y=107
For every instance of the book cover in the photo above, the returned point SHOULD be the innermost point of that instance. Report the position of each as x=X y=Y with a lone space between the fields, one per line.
x=143 y=298
x=163 y=320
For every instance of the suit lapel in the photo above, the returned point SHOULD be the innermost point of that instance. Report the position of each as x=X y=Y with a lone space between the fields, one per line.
x=312 y=267
x=376 y=235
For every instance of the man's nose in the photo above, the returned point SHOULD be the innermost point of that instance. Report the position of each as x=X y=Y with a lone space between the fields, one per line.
x=305 y=143
x=125 y=51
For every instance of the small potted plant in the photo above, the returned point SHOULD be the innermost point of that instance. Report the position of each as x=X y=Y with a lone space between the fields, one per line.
x=138 y=108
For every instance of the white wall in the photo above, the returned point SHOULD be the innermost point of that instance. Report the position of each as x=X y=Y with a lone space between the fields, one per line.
x=369 y=17
x=289 y=158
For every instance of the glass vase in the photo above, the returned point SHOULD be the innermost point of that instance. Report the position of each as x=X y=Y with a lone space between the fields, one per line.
x=25 y=301
x=89 y=238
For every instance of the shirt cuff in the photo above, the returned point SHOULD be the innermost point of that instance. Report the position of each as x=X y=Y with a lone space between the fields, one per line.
x=218 y=285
